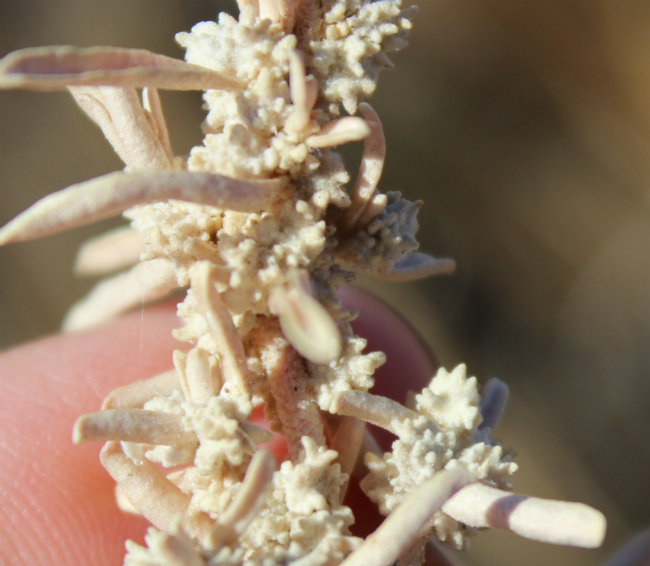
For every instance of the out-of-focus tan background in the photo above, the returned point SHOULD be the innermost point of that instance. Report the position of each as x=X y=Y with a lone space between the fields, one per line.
x=525 y=128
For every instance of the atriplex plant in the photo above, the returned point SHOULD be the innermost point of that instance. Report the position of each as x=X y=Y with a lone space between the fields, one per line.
x=258 y=222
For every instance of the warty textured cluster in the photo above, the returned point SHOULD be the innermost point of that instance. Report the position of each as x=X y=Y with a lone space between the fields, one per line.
x=259 y=223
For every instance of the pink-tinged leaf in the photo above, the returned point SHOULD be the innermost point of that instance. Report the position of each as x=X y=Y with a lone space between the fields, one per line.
x=151 y=493
x=338 y=132
x=56 y=67
x=544 y=520
x=305 y=322
x=131 y=425
x=372 y=166
x=112 y=251
x=109 y=195
x=402 y=528
x=147 y=281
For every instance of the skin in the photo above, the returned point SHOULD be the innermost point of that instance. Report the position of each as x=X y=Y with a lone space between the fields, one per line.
x=57 y=500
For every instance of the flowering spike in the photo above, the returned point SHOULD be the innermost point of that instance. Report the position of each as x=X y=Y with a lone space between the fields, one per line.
x=108 y=195
x=259 y=222
x=57 y=67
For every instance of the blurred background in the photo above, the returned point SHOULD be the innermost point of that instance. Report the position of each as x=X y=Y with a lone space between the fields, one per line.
x=525 y=128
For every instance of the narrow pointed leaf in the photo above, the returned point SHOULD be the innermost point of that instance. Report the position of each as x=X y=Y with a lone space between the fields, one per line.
x=229 y=347
x=134 y=395
x=402 y=527
x=147 y=281
x=493 y=402
x=56 y=67
x=112 y=251
x=109 y=195
x=372 y=166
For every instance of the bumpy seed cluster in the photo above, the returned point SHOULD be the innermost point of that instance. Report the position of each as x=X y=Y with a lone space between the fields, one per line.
x=259 y=222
